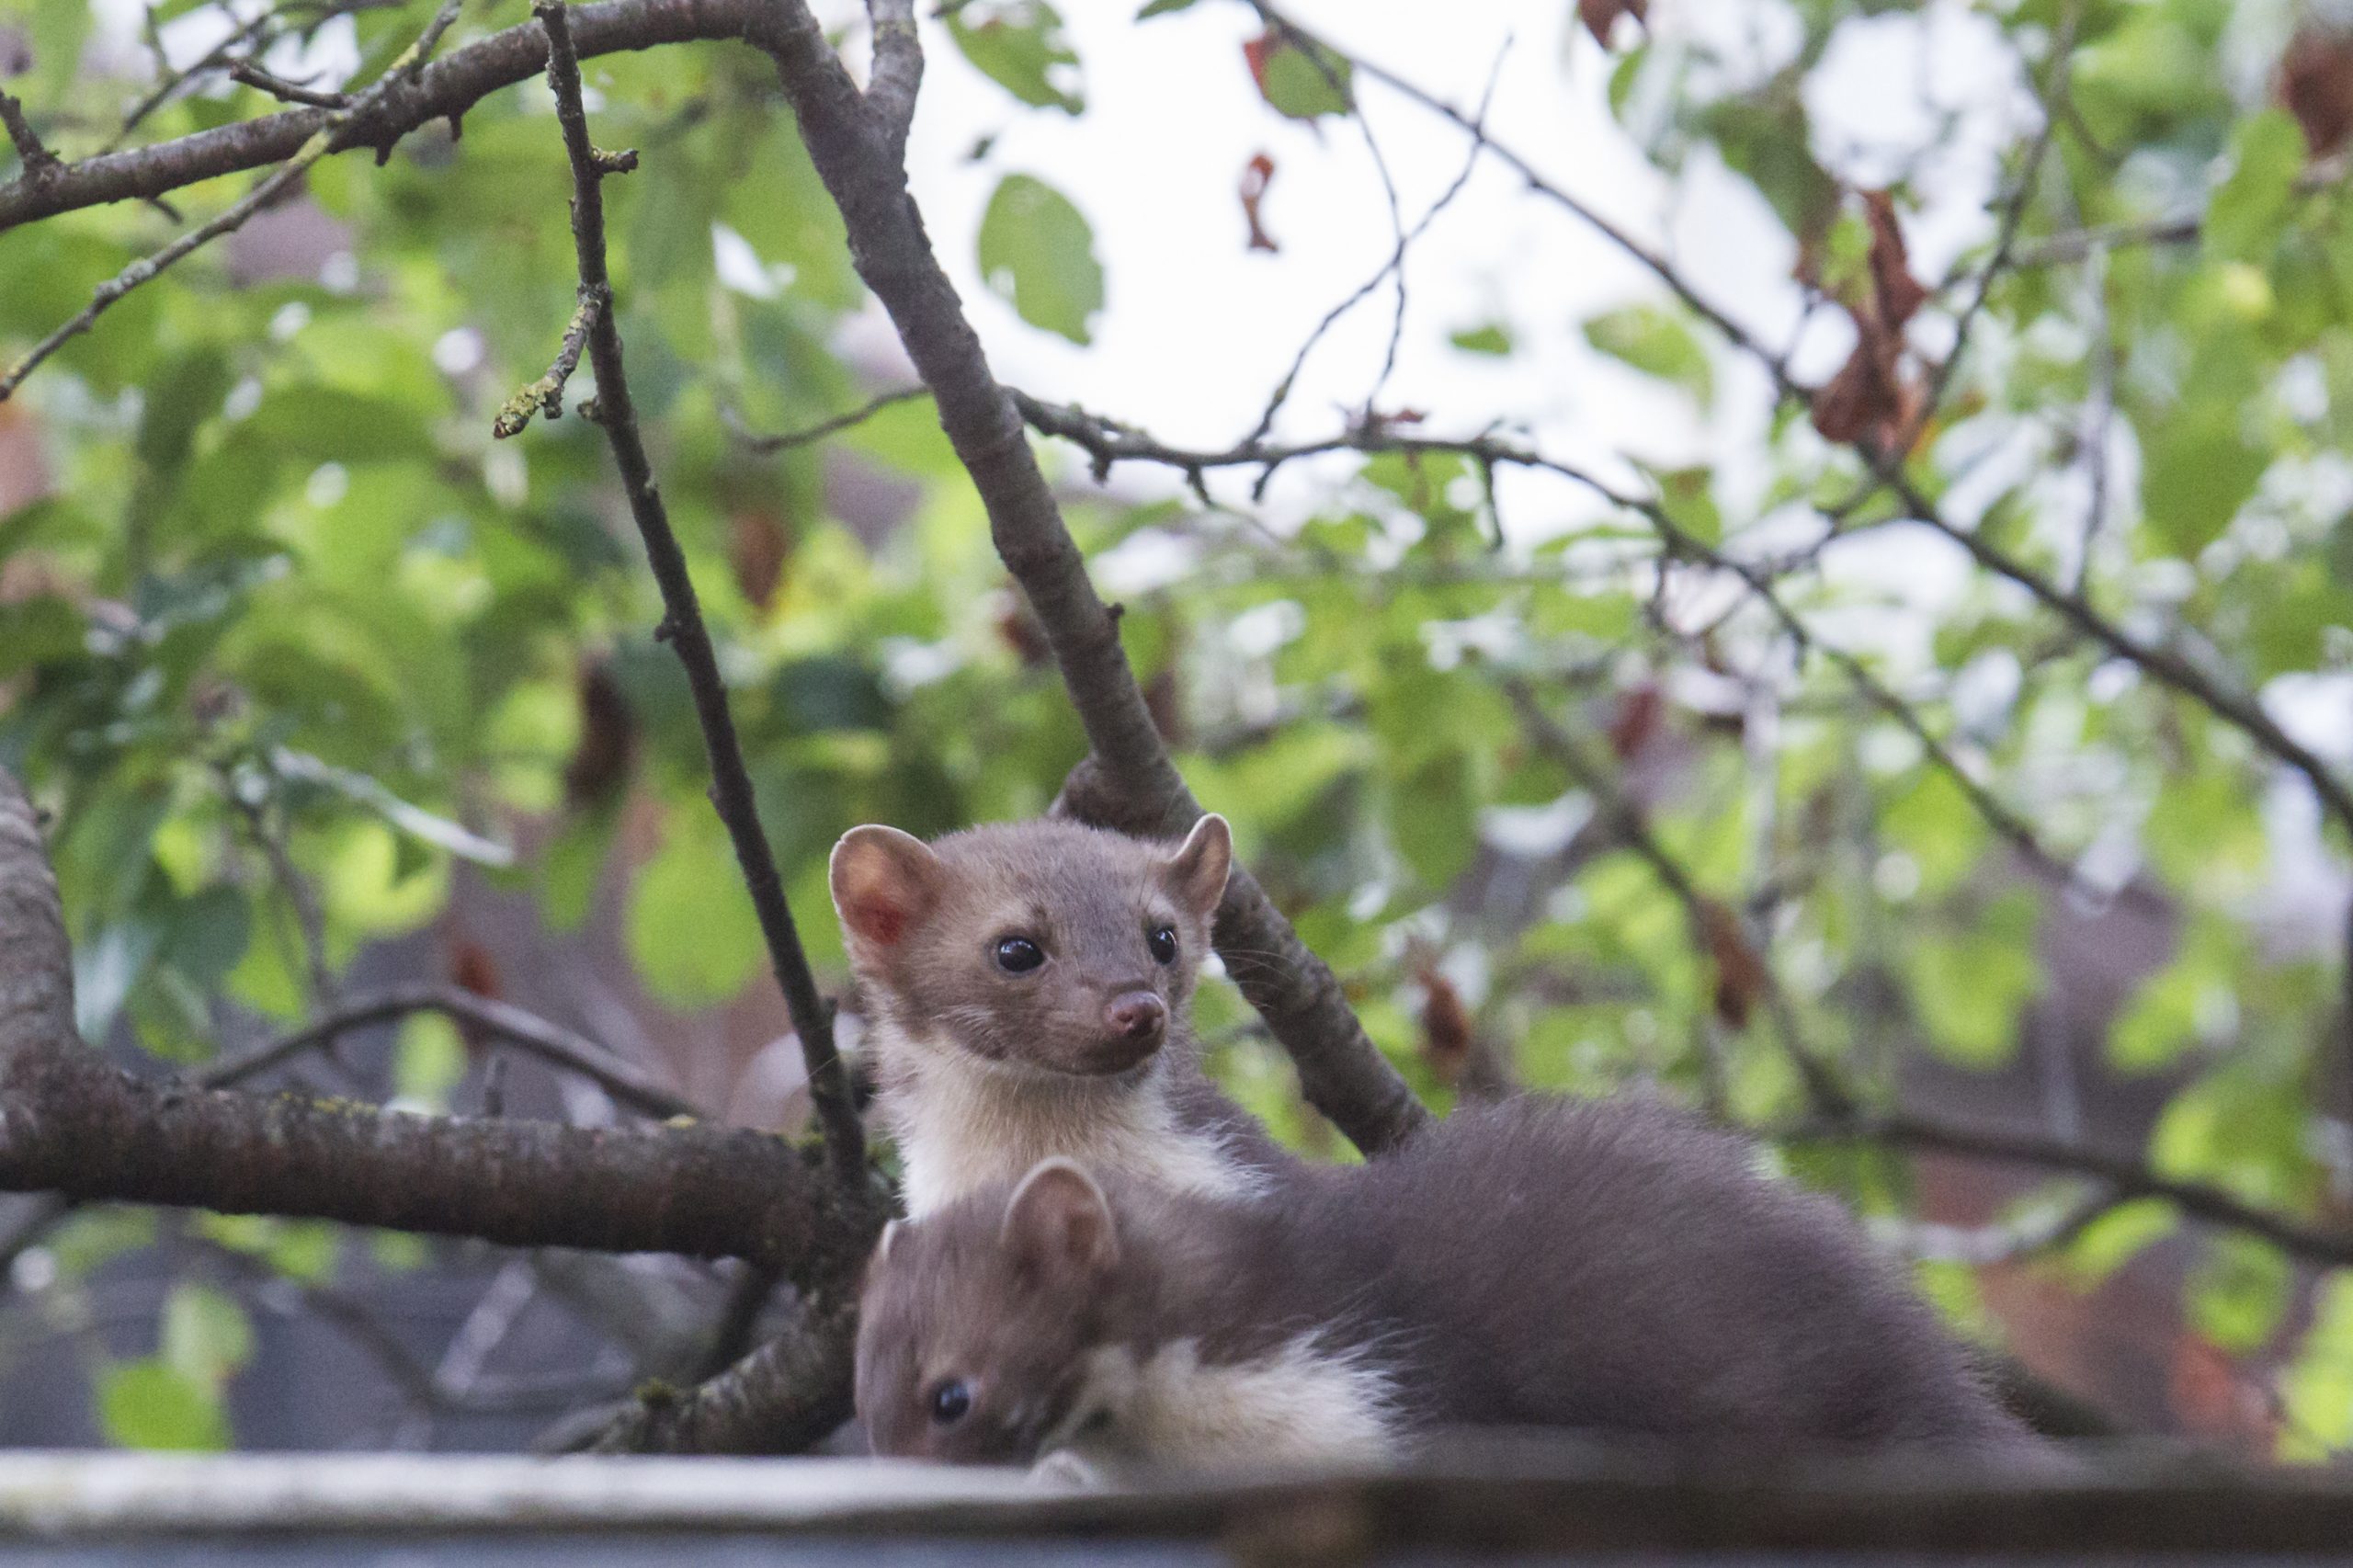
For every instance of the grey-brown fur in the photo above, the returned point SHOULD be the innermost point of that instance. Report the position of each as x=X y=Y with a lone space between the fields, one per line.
x=979 y=1073
x=1611 y=1265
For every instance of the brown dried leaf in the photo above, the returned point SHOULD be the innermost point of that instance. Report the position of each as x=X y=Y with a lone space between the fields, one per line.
x=2316 y=86
x=1256 y=176
x=1637 y=719
x=758 y=545
x=1740 y=977
x=1600 y=16
x=1897 y=293
x=601 y=763
x=1446 y=1026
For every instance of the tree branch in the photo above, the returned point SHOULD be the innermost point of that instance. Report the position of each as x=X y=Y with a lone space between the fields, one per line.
x=71 y=1123
x=1340 y=1069
x=320 y=143
x=628 y=1084
x=40 y=164
x=2124 y=1176
x=897 y=74
x=443 y=90
x=780 y=1399
x=1108 y=442
x=546 y=394
x=786 y=440
x=682 y=622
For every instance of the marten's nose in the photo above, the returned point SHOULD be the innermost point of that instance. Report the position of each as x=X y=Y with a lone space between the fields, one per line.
x=1136 y=1014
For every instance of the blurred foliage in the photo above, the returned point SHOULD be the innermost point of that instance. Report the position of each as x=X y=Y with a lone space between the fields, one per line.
x=286 y=596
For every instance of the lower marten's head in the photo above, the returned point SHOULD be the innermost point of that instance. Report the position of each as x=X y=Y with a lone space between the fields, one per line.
x=976 y=1322
x=1043 y=944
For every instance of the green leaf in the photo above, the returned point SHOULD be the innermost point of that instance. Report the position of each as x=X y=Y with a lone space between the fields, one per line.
x=2240 y=1293
x=2249 y=210
x=2197 y=470
x=2317 y=1387
x=149 y=1405
x=1301 y=85
x=1972 y=988
x=429 y=1058
x=206 y=1335
x=1489 y=339
x=40 y=631
x=1163 y=8
x=691 y=928
x=2114 y=1239
x=1654 y=341
x=1038 y=251
x=1019 y=45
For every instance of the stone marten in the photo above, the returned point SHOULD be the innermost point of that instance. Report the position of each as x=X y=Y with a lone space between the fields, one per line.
x=1026 y=989
x=1614 y=1267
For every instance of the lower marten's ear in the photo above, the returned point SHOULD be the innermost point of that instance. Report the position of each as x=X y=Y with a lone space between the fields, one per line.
x=1196 y=872
x=1059 y=1221
x=884 y=880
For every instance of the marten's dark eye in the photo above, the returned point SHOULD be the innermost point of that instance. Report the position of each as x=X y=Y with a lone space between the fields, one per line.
x=1164 y=943
x=1018 y=955
x=951 y=1402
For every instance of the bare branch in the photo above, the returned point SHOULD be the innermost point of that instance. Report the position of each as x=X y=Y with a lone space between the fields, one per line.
x=628 y=1084
x=2123 y=1177
x=73 y=1124
x=824 y=427
x=546 y=394
x=1655 y=264
x=898 y=72
x=320 y=143
x=40 y=163
x=443 y=90
x=780 y=1399
x=1340 y=1069
x=682 y=622
x=1109 y=442
x=253 y=75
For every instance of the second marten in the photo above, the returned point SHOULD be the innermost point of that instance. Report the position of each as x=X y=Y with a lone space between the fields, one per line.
x=1613 y=1266
x=1027 y=988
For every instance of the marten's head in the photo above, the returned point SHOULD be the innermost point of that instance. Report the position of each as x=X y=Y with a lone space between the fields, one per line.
x=1039 y=944
x=976 y=1322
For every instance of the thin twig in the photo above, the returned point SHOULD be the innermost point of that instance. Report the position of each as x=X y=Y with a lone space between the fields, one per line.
x=682 y=623
x=787 y=440
x=1109 y=442
x=628 y=1084
x=39 y=162
x=276 y=86
x=546 y=394
x=322 y=141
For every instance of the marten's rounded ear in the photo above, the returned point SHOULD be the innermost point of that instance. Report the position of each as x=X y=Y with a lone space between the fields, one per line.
x=1059 y=1219
x=882 y=880
x=1196 y=872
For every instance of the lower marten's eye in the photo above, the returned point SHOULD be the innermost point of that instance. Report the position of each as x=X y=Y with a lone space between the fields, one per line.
x=1164 y=943
x=951 y=1402
x=1018 y=955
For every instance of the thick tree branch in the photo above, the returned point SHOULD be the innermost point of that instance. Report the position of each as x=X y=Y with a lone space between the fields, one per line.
x=443 y=90
x=71 y=1123
x=780 y=1399
x=682 y=623
x=1340 y=1070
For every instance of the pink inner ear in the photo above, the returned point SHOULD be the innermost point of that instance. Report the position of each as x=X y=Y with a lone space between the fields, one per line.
x=877 y=920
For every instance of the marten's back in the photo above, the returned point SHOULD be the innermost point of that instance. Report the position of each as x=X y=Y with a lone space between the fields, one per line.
x=1618 y=1264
